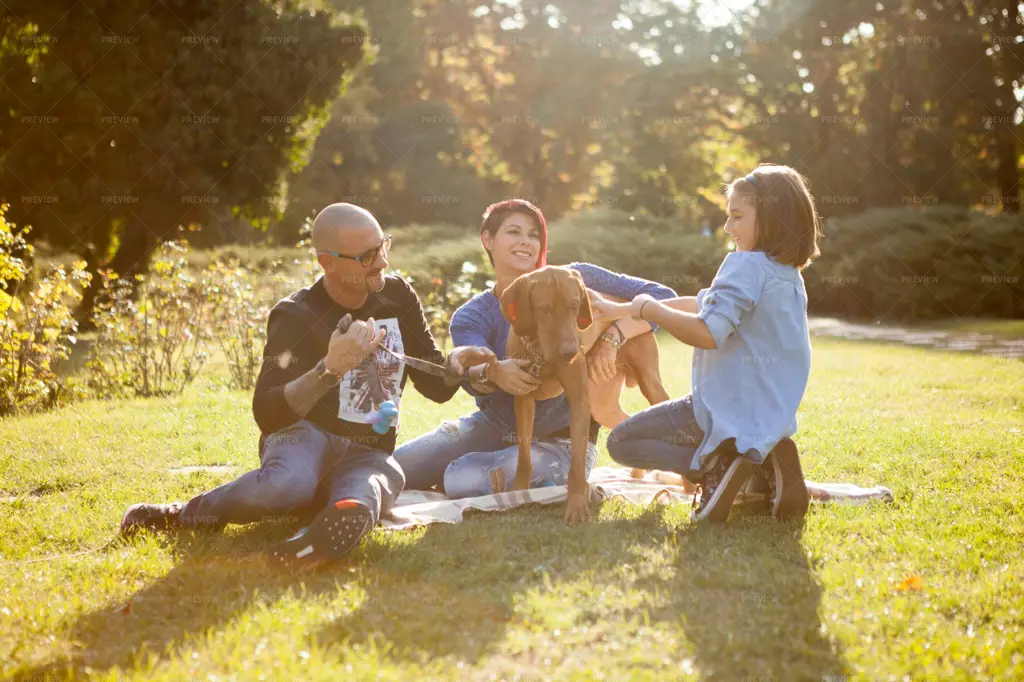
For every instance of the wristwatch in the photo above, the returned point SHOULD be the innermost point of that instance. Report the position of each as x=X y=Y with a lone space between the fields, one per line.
x=323 y=374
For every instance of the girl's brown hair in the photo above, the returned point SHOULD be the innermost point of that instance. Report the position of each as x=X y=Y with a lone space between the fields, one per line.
x=496 y=214
x=788 y=226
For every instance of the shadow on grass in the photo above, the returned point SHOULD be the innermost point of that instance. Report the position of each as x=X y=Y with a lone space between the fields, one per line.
x=216 y=578
x=744 y=595
x=749 y=600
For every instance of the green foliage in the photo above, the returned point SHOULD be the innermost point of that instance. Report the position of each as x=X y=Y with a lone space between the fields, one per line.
x=442 y=295
x=664 y=250
x=150 y=337
x=120 y=122
x=36 y=330
x=938 y=262
x=238 y=318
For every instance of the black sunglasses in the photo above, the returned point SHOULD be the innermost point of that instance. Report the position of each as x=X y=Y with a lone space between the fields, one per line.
x=368 y=257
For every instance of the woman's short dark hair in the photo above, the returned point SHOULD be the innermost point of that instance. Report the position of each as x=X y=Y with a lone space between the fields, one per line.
x=788 y=226
x=495 y=215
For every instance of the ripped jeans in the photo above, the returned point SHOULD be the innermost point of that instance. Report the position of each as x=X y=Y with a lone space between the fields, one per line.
x=462 y=455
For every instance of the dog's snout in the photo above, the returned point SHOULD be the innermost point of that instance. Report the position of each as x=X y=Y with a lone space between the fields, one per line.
x=566 y=352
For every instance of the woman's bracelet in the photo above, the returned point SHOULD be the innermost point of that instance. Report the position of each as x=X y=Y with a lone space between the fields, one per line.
x=481 y=378
x=642 y=306
x=616 y=343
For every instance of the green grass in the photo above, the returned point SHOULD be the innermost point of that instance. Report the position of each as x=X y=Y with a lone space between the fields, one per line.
x=1004 y=329
x=640 y=593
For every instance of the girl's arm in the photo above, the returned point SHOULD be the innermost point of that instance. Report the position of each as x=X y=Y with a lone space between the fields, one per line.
x=734 y=292
x=687 y=304
x=683 y=325
x=671 y=315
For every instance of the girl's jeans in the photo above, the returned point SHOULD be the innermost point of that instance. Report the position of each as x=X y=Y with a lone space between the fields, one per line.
x=662 y=437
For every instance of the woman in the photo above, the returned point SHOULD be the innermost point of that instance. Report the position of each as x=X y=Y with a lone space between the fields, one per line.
x=477 y=454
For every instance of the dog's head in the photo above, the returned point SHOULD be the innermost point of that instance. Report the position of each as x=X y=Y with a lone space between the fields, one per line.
x=551 y=305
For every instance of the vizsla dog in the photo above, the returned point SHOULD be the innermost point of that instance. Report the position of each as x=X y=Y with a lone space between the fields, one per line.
x=553 y=327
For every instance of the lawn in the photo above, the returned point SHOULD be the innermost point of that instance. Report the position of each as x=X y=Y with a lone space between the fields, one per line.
x=929 y=587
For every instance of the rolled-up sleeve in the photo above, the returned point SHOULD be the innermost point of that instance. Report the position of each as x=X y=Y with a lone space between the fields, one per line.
x=734 y=292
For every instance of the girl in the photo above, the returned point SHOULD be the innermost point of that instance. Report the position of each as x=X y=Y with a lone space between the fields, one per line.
x=751 y=360
x=477 y=454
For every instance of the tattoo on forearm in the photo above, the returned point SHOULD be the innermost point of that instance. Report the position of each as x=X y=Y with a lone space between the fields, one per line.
x=303 y=393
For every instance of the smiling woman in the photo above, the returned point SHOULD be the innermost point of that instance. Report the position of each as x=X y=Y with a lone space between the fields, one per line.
x=476 y=454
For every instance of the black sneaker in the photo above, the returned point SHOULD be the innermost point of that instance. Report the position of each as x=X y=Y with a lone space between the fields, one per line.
x=722 y=482
x=785 y=479
x=151 y=516
x=335 y=531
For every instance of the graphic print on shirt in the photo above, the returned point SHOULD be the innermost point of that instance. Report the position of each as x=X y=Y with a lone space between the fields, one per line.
x=362 y=390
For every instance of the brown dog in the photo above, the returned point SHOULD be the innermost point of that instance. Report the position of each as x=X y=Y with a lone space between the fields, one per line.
x=553 y=327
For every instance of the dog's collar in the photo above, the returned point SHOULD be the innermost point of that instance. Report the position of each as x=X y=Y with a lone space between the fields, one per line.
x=532 y=346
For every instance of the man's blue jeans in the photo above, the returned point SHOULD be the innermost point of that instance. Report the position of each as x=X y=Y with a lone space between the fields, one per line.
x=296 y=463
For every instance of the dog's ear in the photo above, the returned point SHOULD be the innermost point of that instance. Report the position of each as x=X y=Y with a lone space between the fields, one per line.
x=585 y=315
x=517 y=307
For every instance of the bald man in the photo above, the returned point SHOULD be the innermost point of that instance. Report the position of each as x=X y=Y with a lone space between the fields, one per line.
x=317 y=395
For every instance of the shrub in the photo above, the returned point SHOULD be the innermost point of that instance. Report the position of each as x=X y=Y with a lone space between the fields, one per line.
x=442 y=295
x=36 y=331
x=935 y=262
x=238 y=317
x=663 y=250
x=150 y=332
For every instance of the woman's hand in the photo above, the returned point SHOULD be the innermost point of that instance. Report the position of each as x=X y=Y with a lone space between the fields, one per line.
x=510 y=377
x=604 y=309
x=601 y=361
x=637 y=306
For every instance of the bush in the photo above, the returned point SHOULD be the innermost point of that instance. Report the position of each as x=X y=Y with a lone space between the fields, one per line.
x=150 y=332
x=905 y=264
x=240 y=303
x=663 y=250
x=37 y=331
x=442 y=296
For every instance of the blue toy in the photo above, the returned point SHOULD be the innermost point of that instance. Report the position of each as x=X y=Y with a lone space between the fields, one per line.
x=384 y=418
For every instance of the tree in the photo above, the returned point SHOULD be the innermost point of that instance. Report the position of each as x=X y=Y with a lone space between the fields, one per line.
x=124 y=120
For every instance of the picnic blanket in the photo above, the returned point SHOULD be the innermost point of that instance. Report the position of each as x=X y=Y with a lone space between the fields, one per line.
x=419 y=508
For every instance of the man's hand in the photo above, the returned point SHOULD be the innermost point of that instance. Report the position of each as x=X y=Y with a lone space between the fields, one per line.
x=510 y=377
x=601 y=361
x=347 y=351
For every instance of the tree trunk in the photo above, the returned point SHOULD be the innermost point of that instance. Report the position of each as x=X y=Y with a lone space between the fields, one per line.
x=1008 y=173
x=132 y=258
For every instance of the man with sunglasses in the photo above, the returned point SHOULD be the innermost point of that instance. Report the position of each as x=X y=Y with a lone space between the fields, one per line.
x=317 y=397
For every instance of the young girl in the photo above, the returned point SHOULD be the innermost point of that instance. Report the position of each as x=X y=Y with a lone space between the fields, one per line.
x=751 y=360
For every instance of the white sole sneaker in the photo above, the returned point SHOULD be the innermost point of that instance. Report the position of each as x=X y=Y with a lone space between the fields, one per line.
x=335 y=532
x=734 y=479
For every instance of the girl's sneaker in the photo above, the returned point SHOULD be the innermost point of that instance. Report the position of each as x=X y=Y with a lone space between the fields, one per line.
x=722 y=482
x=785 y=480
x=335 y=531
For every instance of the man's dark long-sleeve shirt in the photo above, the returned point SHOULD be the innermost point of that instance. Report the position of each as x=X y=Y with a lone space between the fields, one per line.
x=298 y=334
